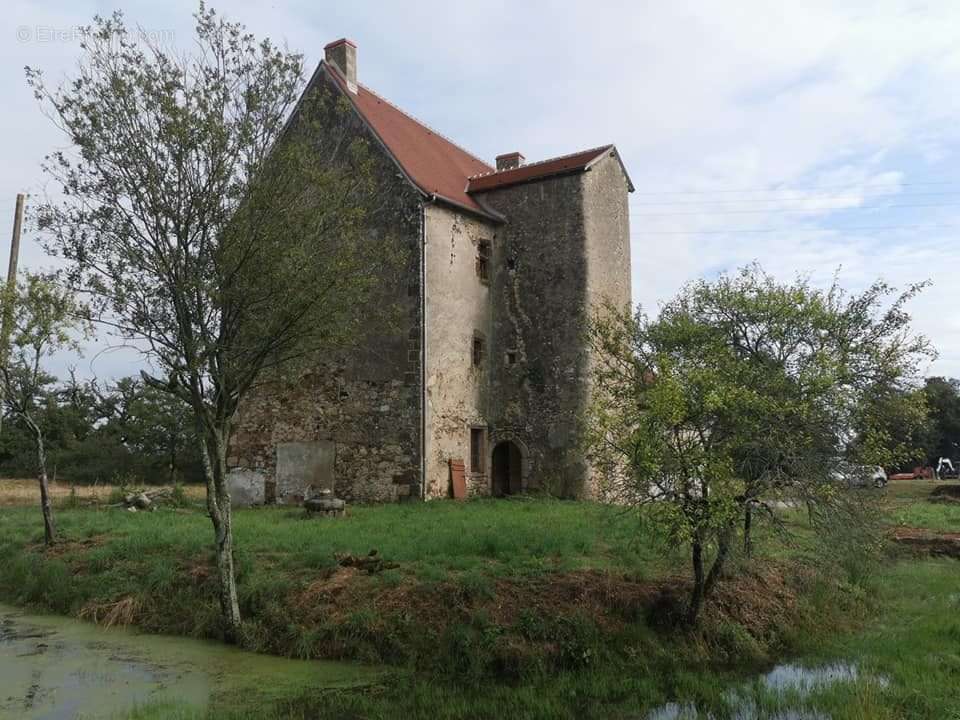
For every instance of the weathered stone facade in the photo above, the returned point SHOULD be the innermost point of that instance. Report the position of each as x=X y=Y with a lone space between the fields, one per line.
x=369 y=425
x=485 y=362
x=366 y=401
x=459 y=310
x=564 y=250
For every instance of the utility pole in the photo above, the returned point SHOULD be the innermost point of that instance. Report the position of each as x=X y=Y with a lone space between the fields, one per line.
x=7 y=323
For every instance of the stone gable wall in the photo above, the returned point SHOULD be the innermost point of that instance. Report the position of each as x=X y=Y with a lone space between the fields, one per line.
x=364 y=399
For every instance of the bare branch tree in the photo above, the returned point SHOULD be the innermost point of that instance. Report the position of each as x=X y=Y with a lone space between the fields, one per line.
x=204 y=228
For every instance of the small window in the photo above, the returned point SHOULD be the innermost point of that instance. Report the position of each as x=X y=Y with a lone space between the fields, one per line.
x=511 y=357
x=477 y=443
x=483 y=260
x=478 y=351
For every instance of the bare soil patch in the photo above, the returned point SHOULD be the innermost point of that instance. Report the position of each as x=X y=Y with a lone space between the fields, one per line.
x=927 y=542
x=70 y=548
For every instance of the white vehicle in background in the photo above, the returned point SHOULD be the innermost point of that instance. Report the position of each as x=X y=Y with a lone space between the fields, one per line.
x=860 y=475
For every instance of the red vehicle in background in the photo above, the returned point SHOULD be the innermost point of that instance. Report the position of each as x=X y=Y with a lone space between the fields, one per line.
x=919 y=473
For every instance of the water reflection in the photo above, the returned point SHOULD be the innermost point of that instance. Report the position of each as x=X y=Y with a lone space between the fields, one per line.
x=787 y=679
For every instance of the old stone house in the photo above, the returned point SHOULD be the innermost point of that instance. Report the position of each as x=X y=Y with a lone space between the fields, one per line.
x=488 y=373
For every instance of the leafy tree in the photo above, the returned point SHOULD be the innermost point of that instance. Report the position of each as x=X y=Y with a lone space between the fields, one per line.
x=224 y=242
x=154 y=426
x=45 y=319
x=742 y=390
x=943 y=400
x=126 y=431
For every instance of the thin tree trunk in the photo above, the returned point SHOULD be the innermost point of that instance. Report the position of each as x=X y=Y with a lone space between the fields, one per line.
x=173 y=459
x=46 y=507
x=747 y=527
x=703 y=583
x=696 y=597
x=218 y=505
x=719 y=563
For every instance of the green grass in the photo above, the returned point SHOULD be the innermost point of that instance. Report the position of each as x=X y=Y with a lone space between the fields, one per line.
x=909 y=506
x=505 y=537
x=899 y=622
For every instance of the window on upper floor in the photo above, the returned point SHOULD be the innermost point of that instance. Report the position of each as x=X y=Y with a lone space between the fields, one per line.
x=483 y=260
x=479 y=350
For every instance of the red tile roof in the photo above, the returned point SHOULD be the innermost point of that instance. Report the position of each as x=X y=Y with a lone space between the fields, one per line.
x=534 y=171
x=432 y=162
x=438 y=166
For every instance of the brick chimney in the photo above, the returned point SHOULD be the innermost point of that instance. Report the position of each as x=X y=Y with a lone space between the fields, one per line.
x=343 y=54
x=509 y=161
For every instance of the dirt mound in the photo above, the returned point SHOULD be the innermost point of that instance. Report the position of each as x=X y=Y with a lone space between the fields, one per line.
x=927 y=542
x=763 y=600
x=759 y=599
x=325 y=591
x=945 y=494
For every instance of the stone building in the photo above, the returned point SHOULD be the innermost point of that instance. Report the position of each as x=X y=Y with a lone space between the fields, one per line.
x=488 y=370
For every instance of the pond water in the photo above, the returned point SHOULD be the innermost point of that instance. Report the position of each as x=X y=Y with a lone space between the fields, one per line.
x=54 y=668
x=787 y=679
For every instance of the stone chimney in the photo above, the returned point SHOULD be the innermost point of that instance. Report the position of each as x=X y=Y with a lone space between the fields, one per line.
x=509 y=161
x=343 y=54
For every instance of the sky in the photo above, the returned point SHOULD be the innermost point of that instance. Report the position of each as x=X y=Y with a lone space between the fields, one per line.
x=813 y=137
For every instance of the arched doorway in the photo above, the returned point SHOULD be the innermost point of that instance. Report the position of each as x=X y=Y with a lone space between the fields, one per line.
x=507 y=469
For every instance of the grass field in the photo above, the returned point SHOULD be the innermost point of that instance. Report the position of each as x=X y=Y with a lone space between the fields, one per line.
x=523 y=608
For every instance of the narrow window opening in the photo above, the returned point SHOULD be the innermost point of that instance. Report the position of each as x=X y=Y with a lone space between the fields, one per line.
x=483 y=260
x=478 y=351
x=511 y=357
x=477 y=449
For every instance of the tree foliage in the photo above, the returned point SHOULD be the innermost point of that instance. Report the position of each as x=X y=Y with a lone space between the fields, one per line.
x=125 y=432
x=745 y=390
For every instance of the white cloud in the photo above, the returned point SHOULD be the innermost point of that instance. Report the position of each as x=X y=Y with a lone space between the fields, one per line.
x=852 y=97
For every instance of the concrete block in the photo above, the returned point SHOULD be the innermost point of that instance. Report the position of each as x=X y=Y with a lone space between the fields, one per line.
x=301 y=466
x=247 y=487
